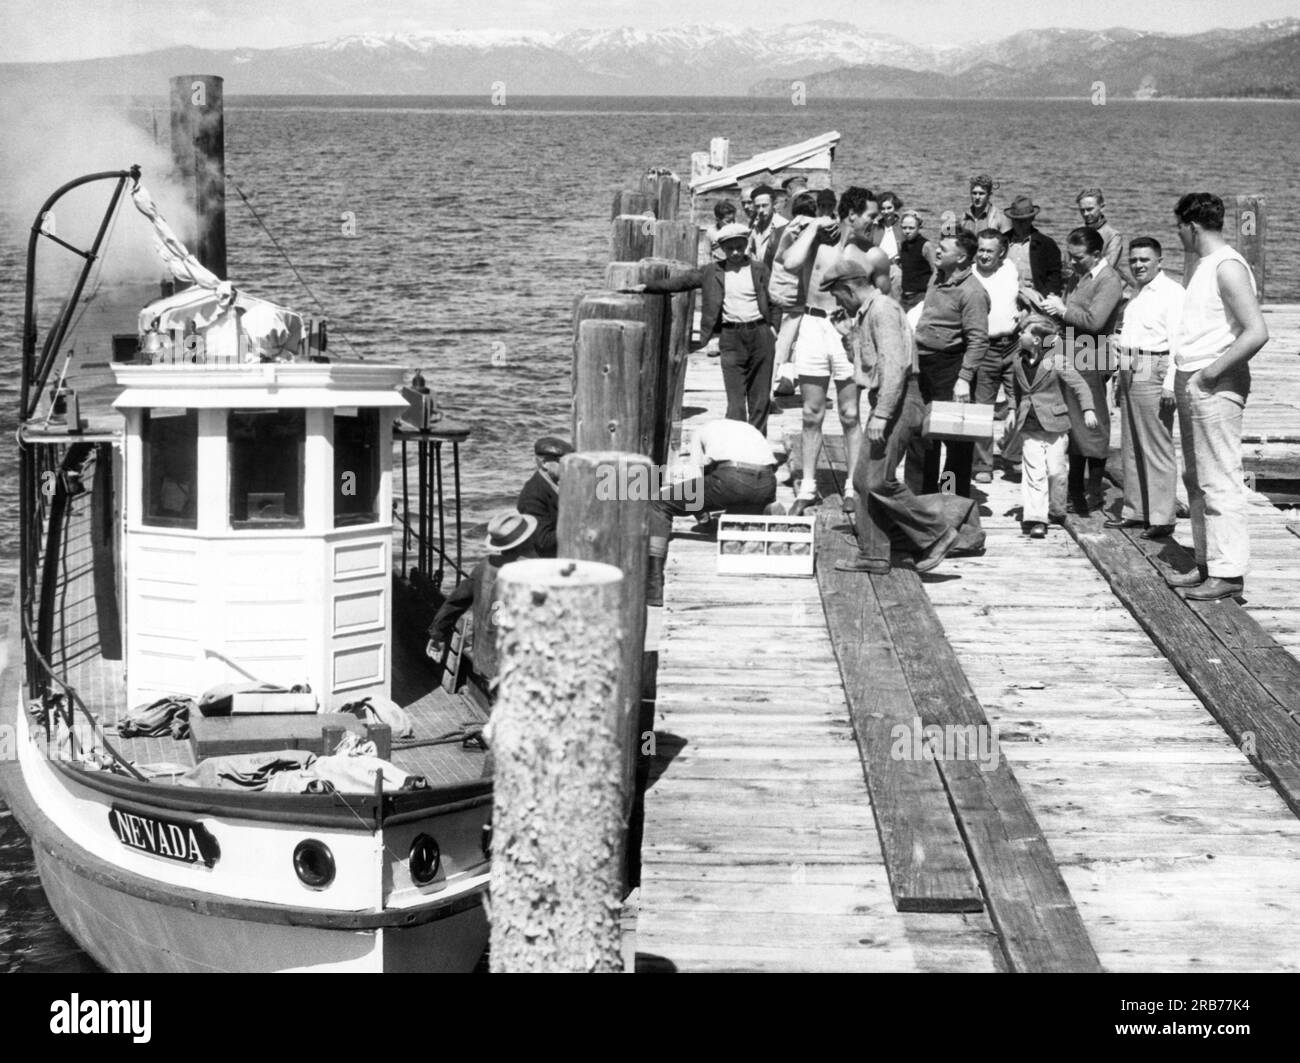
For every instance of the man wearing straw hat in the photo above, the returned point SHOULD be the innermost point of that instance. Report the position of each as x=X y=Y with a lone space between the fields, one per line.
x=509 y=538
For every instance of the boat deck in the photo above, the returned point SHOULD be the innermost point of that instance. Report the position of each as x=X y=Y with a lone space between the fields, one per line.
x=1128 y=803
x=79 y=654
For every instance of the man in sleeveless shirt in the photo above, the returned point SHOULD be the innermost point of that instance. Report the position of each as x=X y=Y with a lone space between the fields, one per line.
x=1220 y=330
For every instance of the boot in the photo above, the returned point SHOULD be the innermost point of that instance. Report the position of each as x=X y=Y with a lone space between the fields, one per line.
x=654 y=581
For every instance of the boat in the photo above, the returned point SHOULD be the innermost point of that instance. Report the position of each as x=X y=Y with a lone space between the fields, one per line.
x=220 y=522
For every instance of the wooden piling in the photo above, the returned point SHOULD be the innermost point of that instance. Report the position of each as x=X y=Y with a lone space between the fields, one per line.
x=557 y=729
x=631 y=237
x=1244 y=228
x=677 y=240
x=651 y=311
x=607 y=400
x=199 y=152
x=665 y=187
x=629 y=202
x=605 y=516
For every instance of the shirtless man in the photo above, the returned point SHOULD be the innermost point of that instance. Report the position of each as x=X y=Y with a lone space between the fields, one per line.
x=819 y=354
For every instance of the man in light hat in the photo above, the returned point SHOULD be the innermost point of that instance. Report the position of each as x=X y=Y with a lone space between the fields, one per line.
x=509 y=538
x=540 y=496
x=733 y=296
x=885 y=368
x=982 y=214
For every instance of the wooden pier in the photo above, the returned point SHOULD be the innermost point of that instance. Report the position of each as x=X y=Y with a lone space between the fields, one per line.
x=1145 y=795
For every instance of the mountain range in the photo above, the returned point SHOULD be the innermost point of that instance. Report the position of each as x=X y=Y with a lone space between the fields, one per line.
x=829 y=59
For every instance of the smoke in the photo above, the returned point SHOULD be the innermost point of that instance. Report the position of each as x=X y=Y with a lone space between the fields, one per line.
x=48 y=138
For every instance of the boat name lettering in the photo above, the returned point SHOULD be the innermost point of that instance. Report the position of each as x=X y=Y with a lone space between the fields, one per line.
x=172 y=839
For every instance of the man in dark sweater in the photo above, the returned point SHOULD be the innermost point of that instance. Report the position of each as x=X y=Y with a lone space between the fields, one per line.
x=540 y=496
x=952 y=339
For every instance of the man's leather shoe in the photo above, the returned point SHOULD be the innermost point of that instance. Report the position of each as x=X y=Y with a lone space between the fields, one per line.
x=1216 y=587
x=1187 y=579
x=1158 y=531
x=802 y=505
x=1038 y=531
x=933 y=554
x=1076 y=504
x=1121 y=522
x=983 y=477
x=857 y=564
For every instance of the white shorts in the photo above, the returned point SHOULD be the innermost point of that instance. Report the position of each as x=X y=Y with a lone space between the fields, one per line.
x=819 y=350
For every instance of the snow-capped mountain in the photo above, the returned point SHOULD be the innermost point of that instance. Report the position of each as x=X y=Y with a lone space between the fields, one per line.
x=839 y=57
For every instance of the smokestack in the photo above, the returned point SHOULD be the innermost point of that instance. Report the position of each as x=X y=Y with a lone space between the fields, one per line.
x=199 y=151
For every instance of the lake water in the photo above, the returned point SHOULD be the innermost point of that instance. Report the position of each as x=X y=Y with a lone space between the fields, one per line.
x=476 y=226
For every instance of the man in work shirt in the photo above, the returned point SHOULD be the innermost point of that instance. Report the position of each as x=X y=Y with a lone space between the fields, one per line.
x=982 y=214
x=1090 y=202
x=1146 y=395
x=885 y=368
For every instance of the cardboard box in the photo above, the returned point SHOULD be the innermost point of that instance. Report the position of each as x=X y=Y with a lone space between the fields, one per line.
x=959 y=421
x=774 y=545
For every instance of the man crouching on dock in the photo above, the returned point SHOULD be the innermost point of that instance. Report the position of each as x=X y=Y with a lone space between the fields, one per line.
x=885 y=367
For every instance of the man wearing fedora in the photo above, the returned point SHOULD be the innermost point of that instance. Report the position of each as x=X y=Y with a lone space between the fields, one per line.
x=509 y=538
x=1035 y=254
x=982 y=214
x=540 y=496
x=734 y=300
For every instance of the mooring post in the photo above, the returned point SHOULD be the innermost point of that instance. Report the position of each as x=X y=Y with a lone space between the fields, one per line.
x=605 y=516
x=1244 y=227
x=652 y=312
x=557 y=734
x=199 y=152
x=607 y=400
x=632 y=237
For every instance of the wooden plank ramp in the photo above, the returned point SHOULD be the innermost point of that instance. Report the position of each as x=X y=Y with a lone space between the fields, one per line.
x=1177 y=851
x=760 y=850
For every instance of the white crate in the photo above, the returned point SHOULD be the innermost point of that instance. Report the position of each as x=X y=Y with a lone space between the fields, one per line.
x=774 y=545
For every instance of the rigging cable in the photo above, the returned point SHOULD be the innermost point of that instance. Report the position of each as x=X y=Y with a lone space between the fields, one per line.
x=285 y=255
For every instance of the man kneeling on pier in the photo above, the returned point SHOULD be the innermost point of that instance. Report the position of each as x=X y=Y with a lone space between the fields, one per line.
x=738 y=476
x=885 y=368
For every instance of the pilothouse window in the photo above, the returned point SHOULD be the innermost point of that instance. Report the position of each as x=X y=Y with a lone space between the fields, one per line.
x=171 y=461
x=266 y=467
x=356 y=467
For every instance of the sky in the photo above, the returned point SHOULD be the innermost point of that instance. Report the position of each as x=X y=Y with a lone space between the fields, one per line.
x=54 y=30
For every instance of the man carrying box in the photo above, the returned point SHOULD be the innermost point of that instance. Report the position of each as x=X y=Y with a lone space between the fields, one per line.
x=884 y=357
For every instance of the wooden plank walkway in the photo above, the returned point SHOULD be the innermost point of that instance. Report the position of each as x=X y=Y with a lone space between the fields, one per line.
x=760 y=850
x=1176 y=850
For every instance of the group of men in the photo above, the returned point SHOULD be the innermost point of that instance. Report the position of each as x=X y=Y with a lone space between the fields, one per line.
x=858 y=299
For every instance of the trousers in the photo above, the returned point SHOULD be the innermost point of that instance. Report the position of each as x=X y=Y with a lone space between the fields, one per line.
x=883 y=502
x=747 y=355
x=997 y=370
x=725 y=488
x=1043 y=475
x=1209 y=423
x=939 y=373
x=1147 y=443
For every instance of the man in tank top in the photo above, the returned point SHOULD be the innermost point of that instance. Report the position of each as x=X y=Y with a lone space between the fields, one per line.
x=1220 y=330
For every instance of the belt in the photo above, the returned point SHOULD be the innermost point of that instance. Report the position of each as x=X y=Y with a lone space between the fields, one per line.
x=744 y=324
x=742 y=466
x=816 y=311
x=1006 y=337
x=1145 y=354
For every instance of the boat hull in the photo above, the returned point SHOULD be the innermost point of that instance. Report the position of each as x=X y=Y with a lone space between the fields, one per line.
x=127 y=933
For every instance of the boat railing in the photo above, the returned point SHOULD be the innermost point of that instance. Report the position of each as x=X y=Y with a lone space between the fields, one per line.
x=72 y=704
x=420 y=509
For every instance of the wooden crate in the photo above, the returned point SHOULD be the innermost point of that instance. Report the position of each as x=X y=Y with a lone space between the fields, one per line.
x=958 y=421
x=765 y=545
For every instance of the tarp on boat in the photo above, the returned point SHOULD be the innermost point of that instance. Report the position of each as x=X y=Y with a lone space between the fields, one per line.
x=229 y=325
